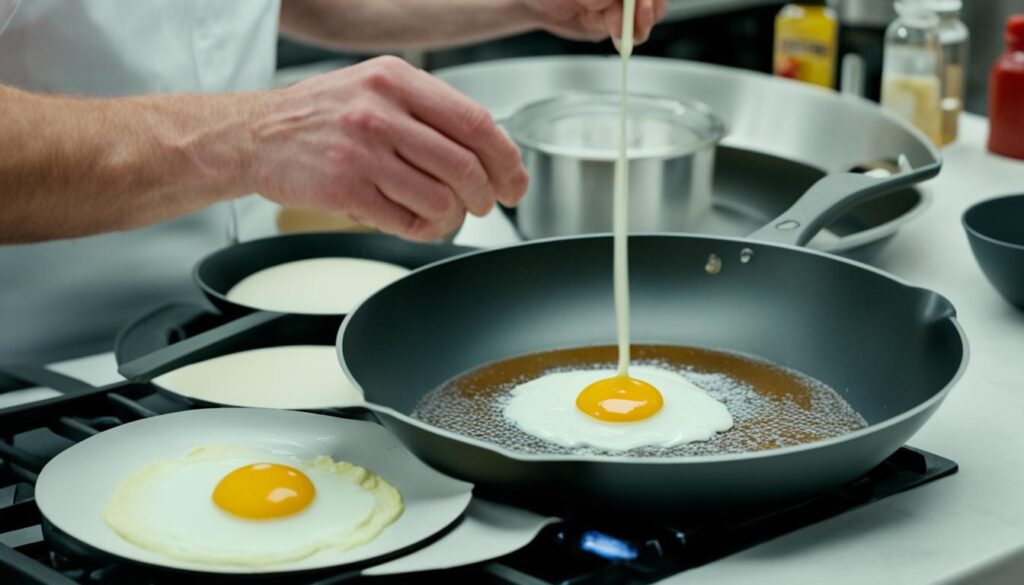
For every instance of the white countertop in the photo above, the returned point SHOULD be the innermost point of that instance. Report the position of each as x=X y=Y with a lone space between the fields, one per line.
x=951 y=529
x=955 y=528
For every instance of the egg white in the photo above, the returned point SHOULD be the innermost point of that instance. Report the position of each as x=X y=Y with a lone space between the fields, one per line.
x=546 y=408
x=167 y=507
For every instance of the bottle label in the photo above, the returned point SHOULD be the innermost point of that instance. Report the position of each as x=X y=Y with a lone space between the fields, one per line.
x=916 y=99
x=805 y=49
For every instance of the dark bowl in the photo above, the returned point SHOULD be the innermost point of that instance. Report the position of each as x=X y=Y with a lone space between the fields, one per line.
x=995 y=230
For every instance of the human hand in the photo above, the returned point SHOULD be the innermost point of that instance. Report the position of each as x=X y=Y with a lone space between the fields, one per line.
x=386 y=144
x=595 y=19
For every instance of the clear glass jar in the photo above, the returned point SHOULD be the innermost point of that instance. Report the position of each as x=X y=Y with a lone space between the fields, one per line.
x=954 y=38
x=912 y=67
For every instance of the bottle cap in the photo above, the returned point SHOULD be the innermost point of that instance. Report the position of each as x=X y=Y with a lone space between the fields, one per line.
x=946 y=6
x=917 y=12
x=1015 y=30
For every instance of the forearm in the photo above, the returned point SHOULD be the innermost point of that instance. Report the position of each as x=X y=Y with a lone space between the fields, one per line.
x=73 y=167
x=381 y=25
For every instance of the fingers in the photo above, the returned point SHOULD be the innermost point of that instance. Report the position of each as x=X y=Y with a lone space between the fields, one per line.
x=613 y=21
x=660 y=10
x=643 y=20
x=647 y=14
x=418 y=192
x=455 y=116
x=374 y=208
x=448 y=162
x=597 y=5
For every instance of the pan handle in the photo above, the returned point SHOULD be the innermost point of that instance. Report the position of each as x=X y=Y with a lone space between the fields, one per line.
x=42 y=377
x=206 y=345
x=829 y=198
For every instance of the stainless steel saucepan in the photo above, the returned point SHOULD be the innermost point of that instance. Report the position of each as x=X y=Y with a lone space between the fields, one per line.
x=569 y=145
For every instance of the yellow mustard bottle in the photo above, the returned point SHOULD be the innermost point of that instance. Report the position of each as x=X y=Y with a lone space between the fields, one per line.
x=806 y=39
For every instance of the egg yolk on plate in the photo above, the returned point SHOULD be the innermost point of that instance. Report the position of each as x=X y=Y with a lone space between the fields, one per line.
x=264 y=491
x=620 y=399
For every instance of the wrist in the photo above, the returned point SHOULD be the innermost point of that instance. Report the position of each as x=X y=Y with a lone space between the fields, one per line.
x=209 y=141
x=254 y=110
x=233 y=151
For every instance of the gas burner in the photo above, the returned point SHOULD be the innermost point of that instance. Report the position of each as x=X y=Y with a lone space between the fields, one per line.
x=578 y=553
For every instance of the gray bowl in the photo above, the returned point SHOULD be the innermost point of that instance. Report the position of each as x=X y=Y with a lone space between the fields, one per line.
x=995 y=230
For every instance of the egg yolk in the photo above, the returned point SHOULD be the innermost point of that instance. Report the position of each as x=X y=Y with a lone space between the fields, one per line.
x=263 y=491
x=620 y=399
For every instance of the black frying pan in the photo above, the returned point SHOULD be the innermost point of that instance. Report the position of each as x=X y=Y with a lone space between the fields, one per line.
x=249 y=328
x=892 y=350
x=217 y=273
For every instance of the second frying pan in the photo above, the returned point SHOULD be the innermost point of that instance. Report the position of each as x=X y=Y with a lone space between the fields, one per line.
x=246 y=328
x=275 y=364
x=217 y=273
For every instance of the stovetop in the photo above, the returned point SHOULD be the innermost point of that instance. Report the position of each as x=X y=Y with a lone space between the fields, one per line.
x=568 y=552
x=571 y=552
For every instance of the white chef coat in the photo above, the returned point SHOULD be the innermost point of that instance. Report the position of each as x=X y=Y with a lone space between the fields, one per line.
x=65 y=298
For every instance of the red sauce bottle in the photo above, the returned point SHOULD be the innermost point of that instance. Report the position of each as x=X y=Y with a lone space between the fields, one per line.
x=1006 y=95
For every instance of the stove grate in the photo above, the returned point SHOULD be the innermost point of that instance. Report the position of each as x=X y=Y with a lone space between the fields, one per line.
x=574 y=552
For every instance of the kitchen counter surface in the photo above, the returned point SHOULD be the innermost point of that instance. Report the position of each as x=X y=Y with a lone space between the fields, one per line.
x=965 y=528
x=968 y=528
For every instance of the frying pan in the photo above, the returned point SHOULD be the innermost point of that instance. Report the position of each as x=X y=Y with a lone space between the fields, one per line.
x=248 y=328
x=176 y=335
x=892 y=350
x=94 y=467
x=217 y=273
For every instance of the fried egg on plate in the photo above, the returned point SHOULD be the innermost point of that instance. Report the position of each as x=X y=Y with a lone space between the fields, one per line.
x=547 y=408
x=228 y=504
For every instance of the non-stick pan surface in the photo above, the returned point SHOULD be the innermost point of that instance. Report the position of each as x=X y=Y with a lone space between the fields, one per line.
x=92 y=469
x=892 y=350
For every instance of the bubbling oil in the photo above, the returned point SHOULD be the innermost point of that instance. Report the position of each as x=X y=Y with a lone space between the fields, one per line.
x=771 y=406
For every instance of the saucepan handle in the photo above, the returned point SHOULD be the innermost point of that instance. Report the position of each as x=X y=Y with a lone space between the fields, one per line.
x=829 y=198
x=206 y=345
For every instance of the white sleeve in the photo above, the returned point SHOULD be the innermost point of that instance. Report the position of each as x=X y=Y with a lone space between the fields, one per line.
x=7 y=8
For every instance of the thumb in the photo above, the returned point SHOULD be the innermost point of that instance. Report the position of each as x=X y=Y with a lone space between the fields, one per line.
x=613 y=22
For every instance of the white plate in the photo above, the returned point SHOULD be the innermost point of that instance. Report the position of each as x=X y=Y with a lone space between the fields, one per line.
x=75 y=486
x=487 y=531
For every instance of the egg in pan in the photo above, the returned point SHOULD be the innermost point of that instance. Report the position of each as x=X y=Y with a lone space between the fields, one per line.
x=235 y=505
x=658 y=408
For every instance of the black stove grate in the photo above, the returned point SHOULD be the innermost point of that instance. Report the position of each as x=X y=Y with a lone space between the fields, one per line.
x=570 y=552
